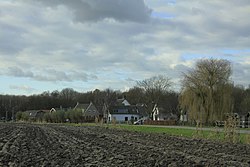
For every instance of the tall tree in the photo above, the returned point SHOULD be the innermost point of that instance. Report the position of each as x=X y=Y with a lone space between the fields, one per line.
x=207 y=90
x=245 y=104
x=154 y=88
x=68 y=96
x=135 y=95
x=239 y=96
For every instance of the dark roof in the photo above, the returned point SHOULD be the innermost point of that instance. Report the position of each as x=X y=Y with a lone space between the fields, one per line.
x=124 y=110
x=119 y=101
x=34 y=113
x=88 y=109
x=81 y=106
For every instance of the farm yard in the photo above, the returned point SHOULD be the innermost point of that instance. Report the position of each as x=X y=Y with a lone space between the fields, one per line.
x=63 y=145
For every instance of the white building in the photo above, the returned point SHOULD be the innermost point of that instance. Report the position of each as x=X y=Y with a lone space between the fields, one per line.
x=123 y=112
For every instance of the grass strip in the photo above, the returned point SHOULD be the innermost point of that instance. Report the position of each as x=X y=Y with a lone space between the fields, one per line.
x=214 y=134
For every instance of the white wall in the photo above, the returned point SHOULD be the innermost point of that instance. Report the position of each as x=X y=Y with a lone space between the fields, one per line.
x=121 y=117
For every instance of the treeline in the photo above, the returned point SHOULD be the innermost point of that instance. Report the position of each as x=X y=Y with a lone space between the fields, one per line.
x=241 y=99
x=68 y=97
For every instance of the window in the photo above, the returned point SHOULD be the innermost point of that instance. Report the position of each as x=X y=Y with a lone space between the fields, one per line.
x=126 y=118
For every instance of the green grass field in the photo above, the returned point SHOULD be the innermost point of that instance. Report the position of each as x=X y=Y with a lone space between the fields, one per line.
x=189 y=133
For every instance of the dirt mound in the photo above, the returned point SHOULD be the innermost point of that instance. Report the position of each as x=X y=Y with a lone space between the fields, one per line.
x=57 y=145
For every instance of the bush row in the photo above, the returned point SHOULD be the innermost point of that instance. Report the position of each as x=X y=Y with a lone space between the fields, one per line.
x=72 y=116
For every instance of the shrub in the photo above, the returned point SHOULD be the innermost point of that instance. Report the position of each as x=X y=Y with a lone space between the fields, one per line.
x=18 y=115
x=25 y=116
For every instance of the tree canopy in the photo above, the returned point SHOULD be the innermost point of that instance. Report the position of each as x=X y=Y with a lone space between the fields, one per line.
x=155 y=86
x=156 y=89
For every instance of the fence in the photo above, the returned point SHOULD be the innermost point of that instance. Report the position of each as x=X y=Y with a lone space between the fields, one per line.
x=241 y=124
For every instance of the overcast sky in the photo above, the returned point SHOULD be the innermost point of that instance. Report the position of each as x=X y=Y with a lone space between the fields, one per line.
x=48 y=45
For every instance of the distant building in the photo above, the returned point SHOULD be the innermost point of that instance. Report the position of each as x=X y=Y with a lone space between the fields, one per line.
x=36 y=115
x=89 y=111
x=122 y=111
x=183 y=116
x=159 y=113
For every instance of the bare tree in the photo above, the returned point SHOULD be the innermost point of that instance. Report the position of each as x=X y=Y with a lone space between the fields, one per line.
x=68 y=96
x=135 y=95
x=206 y=90
x=154 y=88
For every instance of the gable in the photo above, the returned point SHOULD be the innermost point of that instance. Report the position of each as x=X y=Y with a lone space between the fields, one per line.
x=91 y=110
x=122 y=102
x=125 y=103
x=81 y=106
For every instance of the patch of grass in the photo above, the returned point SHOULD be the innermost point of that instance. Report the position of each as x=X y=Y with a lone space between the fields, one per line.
x=247 y=139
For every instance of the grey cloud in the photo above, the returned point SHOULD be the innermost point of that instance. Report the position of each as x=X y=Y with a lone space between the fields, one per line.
x=210 y=24
x=240 y=73
x=130 y=80
x=181 y=68
x=77 y=51
x=11 y=41
x=54 y=76
x=95 y=10
x=18 y=72
x=82 y=76
x=50 y=75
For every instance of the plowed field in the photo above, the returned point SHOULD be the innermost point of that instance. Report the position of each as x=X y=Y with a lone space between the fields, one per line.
x=58 y=145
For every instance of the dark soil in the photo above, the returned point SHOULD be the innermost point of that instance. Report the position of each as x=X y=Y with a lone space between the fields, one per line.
x=58 y=145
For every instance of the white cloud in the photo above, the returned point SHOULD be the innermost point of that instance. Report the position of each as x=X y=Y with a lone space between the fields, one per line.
x=22 y=88
x=59 y=41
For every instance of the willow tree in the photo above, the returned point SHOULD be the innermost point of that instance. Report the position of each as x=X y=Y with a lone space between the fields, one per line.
x=207 y=90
